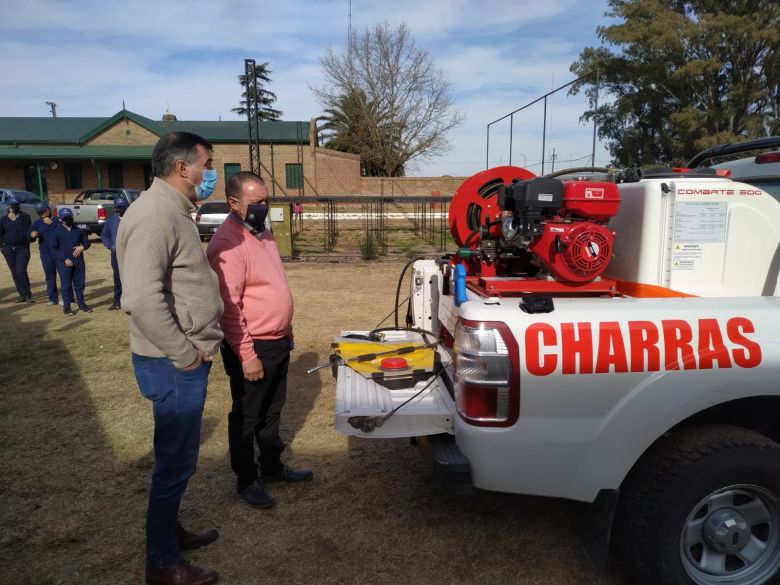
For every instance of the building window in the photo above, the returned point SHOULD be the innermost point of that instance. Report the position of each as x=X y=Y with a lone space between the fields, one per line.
x=148 y=176
x=115 y=179
x=231 y=169
x=73 y=176
x=35 y=180
x=294 y=175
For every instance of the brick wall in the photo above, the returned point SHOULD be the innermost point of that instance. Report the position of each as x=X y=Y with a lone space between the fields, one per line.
x=400 y=186
x=125 y=133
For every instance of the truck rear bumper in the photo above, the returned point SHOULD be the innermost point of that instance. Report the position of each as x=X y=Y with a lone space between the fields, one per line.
x=452 y=467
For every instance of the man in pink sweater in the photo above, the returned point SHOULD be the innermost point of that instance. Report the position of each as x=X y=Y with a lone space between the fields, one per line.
x=257 y=324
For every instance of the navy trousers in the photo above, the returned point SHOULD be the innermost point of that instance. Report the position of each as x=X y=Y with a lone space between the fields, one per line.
x=177 y=405
x=117 y=280
x=72 y=278
x=17 y=258
x=49 y=263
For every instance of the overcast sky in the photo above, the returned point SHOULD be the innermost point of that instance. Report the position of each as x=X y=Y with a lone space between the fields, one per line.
x=89 y=55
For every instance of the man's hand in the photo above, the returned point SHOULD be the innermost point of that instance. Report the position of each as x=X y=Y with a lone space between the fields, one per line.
x=33 y=234
x=253 y=370
x=68 y=262
x=198 y=359
x=77 y=250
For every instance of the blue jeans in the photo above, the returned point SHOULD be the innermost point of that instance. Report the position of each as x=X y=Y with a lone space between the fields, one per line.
x=177 y=404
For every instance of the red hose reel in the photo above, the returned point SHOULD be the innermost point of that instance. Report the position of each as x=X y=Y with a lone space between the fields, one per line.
x=505 y=218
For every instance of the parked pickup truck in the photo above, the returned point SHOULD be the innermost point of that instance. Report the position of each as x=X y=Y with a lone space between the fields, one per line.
x=92 y=207
x=614 y=345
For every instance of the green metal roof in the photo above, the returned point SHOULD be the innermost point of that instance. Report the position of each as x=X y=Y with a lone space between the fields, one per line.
x=96 y=151
x=61 y=131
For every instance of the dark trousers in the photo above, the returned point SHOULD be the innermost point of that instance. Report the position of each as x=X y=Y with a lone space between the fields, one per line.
x=17 y=258
x=257 y=407
x=177 y=405
x=117 y=281
x=49 y=264
x=72 y=278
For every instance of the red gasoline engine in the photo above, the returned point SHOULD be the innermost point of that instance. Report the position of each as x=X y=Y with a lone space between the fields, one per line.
x=552 y=235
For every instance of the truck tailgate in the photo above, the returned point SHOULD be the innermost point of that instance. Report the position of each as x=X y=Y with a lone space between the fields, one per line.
x=430 y=413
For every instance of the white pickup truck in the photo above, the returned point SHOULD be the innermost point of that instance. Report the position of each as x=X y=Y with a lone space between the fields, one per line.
x=615 y=345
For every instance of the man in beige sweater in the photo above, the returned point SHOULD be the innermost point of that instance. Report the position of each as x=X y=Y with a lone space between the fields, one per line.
x=171 y=296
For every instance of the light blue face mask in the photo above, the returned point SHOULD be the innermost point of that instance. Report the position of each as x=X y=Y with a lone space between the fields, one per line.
x=207 y=183
x=206 y=187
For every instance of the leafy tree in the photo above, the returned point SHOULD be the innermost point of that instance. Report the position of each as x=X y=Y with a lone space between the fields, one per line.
x=265 y=98
x=384 y=100
x=348 y=128
x=683 y=76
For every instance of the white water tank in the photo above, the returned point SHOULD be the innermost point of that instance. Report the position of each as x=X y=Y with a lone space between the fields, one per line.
x=709 y=237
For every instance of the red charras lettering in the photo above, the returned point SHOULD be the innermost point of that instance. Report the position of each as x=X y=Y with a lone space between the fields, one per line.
x=577 y=346
x=711 y=346
x=750 y=355
x=644 y=337
x=611 y=350
x=677 y=344
x=540 y=364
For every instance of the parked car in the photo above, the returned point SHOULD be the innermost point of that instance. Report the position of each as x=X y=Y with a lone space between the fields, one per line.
x=209 y=217
x=27 y=200
x=761 y=170
x=92 y=207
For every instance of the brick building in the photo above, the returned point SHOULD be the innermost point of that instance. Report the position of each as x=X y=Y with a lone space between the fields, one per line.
x=58 y=157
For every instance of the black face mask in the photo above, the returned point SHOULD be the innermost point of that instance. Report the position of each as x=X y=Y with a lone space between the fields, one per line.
x=68 y=221
x=120 y=211
x=256 y=214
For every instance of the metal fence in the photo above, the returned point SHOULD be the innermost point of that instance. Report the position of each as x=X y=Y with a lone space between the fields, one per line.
x=369 y=226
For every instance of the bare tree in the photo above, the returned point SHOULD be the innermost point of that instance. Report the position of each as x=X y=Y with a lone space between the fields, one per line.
x=385 y=101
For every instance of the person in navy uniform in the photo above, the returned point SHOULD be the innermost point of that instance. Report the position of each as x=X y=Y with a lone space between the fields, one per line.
x=108 y=236
x=15 y=240
x=42 y=230
x=68 y=247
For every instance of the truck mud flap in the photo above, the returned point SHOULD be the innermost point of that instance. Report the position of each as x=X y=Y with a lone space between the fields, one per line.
x=450 y=464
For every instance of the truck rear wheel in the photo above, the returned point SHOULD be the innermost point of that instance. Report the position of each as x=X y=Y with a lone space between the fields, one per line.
x=703 y=507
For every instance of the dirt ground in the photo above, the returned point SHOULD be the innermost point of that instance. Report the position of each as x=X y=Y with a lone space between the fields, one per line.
x=75 y=462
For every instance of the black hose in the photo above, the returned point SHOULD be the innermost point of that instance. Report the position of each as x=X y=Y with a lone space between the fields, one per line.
x=577 y=170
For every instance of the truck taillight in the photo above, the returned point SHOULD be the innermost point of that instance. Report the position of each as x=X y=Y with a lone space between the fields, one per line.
x=487 y=374
x=101 y=213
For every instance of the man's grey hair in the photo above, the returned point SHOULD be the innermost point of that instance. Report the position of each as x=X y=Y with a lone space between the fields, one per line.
x=176 y=146
x=236 y=183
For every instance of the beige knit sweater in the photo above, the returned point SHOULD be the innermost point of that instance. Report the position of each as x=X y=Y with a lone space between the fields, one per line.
x=168 y=288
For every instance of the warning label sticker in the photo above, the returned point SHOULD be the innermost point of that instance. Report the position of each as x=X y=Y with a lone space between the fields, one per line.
x=687 y=251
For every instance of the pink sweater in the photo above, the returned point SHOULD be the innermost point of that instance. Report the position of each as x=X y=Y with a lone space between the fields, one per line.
x=253 y=286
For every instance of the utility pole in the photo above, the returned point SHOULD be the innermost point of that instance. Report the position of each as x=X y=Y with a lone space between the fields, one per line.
x=53 y=107
x=552 y=158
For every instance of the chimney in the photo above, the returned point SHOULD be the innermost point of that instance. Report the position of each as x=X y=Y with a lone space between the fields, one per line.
x=168 y=117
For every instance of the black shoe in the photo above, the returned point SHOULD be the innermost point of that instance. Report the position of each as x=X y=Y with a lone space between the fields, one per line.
x=114 y=307
x=85 y=308
x=68 y=311
x=21 y=300
x=288 y=475
x=28 y=299
x=255 y=495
